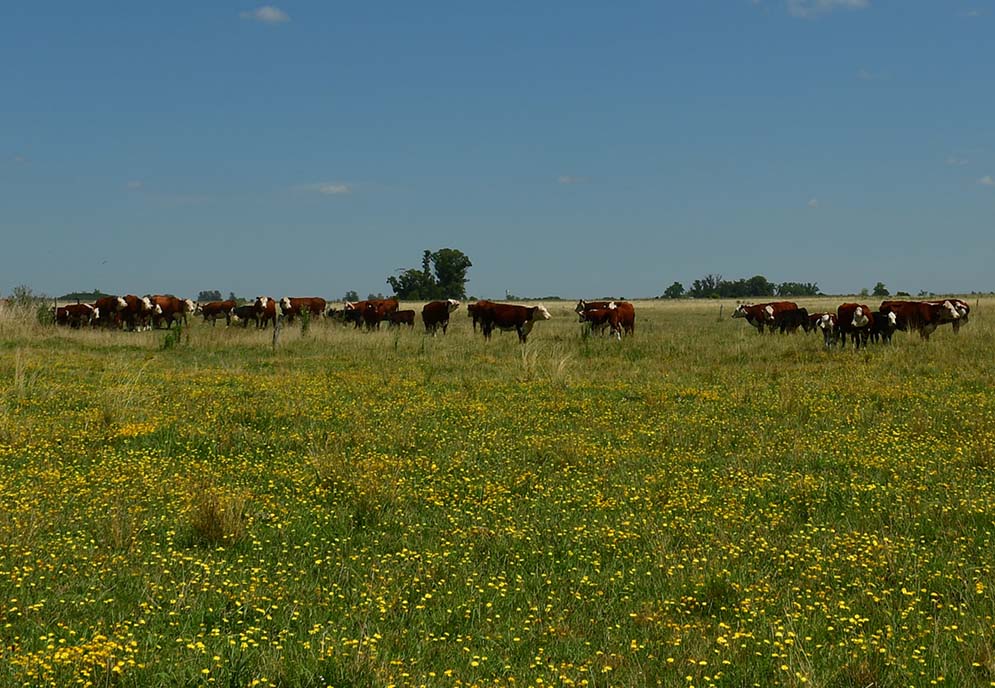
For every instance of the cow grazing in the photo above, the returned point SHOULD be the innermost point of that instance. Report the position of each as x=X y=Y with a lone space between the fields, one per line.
x=856 y=320
x=216 y=309
x=763 y=314
x=294 y=306
x=435 y=314
x=76 y=315
x=790 y=319
x=245 y=313
x=377 y=310
x=507 y=317
x=921 y=316
x=265 y=308
x=398 y=318
x=885 y=324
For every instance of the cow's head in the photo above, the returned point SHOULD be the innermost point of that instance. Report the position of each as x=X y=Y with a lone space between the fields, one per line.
x=157 y=309
x=95 y=315
x=350 y=306
x=612 y=306
x=950 y=311
x=453 y=304
x=892 y=319
x=121 y=303
x=541 y=313
x=826 y=322
x=581 y=306
x=740 y=312
x=146 y=305
x=260 y=303
x=859 y=318
x=198 y=308
x=188 y=305
x=285 y=304
x=769 y=313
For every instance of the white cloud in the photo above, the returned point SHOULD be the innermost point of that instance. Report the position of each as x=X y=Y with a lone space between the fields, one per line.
x=807 y=9
x=136 y=184
x=570 y=179
x=334 y=189
x=954 y=161
x=20 y=159
x=813 y=203
x=987 y=181
x=973 y=13
x=267 y=14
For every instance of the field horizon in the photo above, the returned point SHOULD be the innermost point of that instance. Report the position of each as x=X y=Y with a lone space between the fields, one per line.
x=695 y=505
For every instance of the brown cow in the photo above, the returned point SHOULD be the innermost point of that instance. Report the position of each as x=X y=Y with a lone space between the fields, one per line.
x=854 y=319
x=398 y=318
x=76 y=315
x=169 y=308
x=625 y=314
x=762 y=314
x=110 y=308
x=265 y=309
x=138 y=313
x=377 y=310
x=295 y=306
x=961 y=307
x=506 y=317
x=583 y=305
x=921 y=316
x=600 y=318
x=473 y=311
x=435 y=314
x=354 y=312
x=216 y=309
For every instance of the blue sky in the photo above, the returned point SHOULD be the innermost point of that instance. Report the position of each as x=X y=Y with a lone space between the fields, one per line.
x=574 y=149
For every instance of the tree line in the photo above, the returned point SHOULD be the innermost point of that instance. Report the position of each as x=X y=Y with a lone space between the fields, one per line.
x=715 y=287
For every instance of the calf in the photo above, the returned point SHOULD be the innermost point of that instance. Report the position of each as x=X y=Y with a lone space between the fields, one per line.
x=885 y=324
x=216 y=309
x=293 y=306
x=826 y=324
x=398 y=318
x=245 y=313
x=789 y=320
x=76 y=315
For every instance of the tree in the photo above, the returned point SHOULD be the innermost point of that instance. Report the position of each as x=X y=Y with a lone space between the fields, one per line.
x=880 y=290
x=351 y=295
x=674 y=291
x=864 y=292
x=450 y=273
x=442 y=276
x=212 y=295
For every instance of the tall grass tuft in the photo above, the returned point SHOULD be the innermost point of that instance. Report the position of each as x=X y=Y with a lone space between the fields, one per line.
x=217 y=515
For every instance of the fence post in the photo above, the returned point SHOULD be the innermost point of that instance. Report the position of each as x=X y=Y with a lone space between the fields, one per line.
x=277 y=326
x=721 y=306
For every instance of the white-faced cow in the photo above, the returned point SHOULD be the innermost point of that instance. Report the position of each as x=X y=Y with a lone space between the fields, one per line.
x=295 y=306
x=856 y=320
x=507 y=317
x=435 y=314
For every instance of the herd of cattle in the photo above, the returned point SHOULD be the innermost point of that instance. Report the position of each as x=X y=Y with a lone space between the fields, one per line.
x=851 y=320
x=857 y=321
x=147 y=312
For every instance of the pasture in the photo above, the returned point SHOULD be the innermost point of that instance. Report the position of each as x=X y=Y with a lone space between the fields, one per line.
x=696 y=505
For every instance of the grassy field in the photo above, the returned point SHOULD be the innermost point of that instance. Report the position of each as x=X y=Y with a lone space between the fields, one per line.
x=698 y=505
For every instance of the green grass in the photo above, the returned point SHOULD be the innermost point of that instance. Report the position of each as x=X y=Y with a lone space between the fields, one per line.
x=697 y=505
